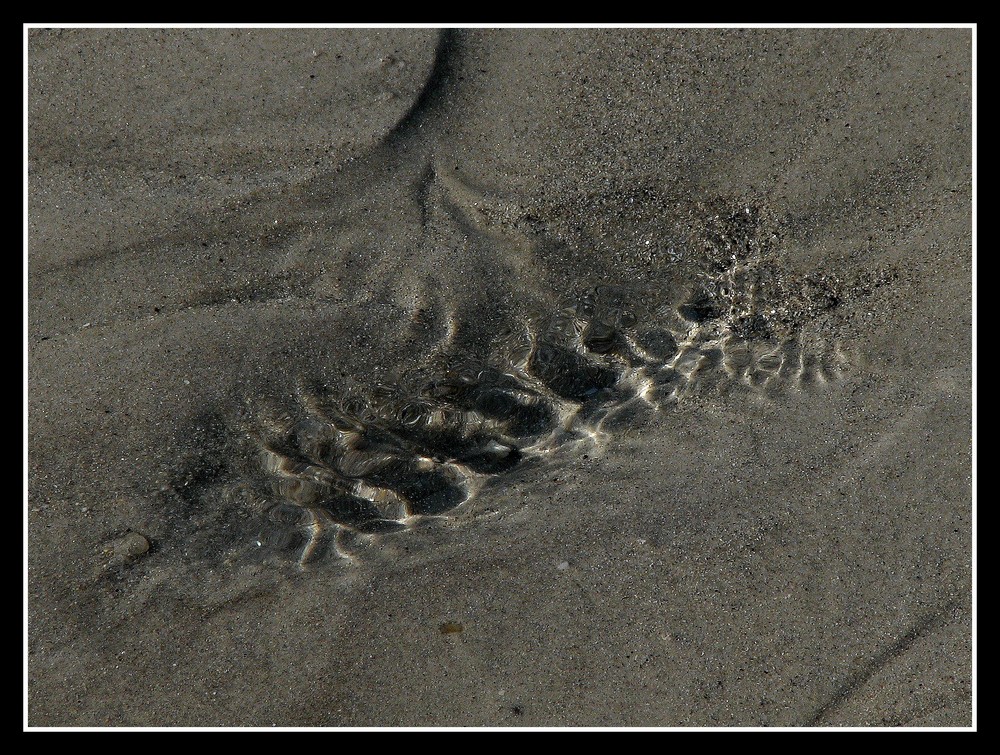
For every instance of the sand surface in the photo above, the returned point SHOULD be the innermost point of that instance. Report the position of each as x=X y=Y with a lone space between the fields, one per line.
x=500 y=377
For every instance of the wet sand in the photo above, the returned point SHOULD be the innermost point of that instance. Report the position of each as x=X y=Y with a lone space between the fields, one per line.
x=499 y=378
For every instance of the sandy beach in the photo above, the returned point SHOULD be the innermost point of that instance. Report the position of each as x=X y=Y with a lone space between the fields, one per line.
x=500 y=377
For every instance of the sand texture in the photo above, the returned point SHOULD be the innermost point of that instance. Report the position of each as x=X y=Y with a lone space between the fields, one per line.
x=500 y=377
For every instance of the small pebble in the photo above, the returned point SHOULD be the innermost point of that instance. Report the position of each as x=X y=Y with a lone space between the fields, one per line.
x=563 y=565
x=127 y=547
